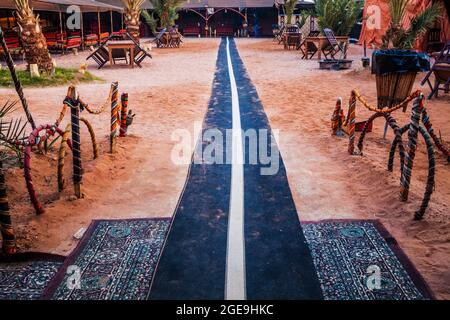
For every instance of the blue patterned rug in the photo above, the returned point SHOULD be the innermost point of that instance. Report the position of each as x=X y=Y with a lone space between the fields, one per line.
x=115 y=259
x=360 y=260
x=25 y=276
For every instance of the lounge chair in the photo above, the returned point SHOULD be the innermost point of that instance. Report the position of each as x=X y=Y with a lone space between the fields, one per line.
x=309 y=49
x=441 y=72
x=332 y=47
x=90 y=40
x=13 y=43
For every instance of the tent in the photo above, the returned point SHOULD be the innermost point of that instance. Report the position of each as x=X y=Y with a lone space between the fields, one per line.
x=372 y=33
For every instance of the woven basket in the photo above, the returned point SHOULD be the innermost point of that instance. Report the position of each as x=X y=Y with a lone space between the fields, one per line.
x=394 y=87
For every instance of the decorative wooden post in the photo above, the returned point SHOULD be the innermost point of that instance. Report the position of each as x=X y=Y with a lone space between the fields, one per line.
x=123 y=114
x=6 y=229
x=76 y=141
x=412 y=145
x=336 y=118
x=114 y=117
x=18 y=86
x=351 y=123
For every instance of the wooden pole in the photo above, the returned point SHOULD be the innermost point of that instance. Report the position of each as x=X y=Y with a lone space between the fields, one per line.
x=82 y=30
x=111 y=18
x=61 y=26
x=99 y=26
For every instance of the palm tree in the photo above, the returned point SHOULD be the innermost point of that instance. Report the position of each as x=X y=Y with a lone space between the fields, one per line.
x=167 y=12
x=33 y=40
x=399 y=37
x=132 y=15
x=289 y=6
x=338 y=15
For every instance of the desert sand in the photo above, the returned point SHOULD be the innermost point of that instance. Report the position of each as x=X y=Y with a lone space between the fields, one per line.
x=172 y=92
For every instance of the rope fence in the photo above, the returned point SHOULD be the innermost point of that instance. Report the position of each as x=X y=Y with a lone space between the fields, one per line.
x=420 y=124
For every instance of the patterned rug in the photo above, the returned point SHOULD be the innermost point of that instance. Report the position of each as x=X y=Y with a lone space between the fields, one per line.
x=115 y=260
x=25 y=276
x=360 y=260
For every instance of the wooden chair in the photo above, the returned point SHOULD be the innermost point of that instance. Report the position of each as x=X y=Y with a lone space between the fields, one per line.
x=139 y=53
x=309 y=49
x=100 y=56
x=159 y=39
x=332 y=47
x=441 y=72
x=174 y=38
x=280 y=35
x=292 y=37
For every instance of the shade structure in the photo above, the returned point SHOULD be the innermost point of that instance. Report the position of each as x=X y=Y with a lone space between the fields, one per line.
x=119 y=3
x=62 y=5
x=191 y=4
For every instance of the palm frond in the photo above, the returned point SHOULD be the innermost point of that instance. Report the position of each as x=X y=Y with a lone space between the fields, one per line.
x=422 y=22
x=397 y=9
x=150 y=20
x=131 y=4
x=10 y=130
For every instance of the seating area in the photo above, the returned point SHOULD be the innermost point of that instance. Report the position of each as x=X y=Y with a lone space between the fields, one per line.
x=191 y=31
x=168 y=38
x=441 y=72
x=57 y=41
x=13 y=43
x=224 y=31
x=104 y=53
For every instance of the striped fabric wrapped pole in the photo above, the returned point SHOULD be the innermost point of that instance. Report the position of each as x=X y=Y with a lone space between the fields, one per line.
x=123 y=114
x=336 y=118
x=351 y=123
x=418 y=215
x=114 y=117
x=76 y=143
x=427 y=123
x=6 y=229
x=17 y=84
x=412 y=145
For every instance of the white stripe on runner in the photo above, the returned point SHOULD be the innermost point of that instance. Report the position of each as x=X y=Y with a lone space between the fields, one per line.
x=235 y=267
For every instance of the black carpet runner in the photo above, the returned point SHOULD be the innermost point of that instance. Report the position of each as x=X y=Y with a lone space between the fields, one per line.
x=278 y=263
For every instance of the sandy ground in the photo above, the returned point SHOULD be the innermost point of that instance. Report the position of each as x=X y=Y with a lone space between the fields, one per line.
x=172 y=91
x=328 y=183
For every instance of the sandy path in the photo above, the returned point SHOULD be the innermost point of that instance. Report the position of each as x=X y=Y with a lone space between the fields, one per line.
x=326 y=182
x=171 y=91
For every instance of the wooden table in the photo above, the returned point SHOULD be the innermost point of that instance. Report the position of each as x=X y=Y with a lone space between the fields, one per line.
x=321 y=41
x=121 y=44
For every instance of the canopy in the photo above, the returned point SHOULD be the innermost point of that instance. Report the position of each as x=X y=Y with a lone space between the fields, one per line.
x=188 y=4
x=372 y=35
x=61 y=5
